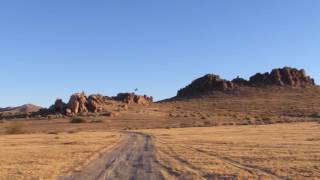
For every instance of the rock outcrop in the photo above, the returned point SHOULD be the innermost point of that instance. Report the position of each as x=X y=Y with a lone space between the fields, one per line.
x=281 y=77
x=59 y=107
x=286 y=76
x=95 y=103
x=209 y=82
x=78 y=103
x=240 y=82
x=133 y=98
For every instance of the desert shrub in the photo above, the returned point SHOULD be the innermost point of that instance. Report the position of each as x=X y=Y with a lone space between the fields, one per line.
x=97 y=121
x=214 y=124
x=77 y=120
x=53 y=132
x=84 y=114
x=14 y=128
x=182 y=125
x=243 y=123
x=228 y=123
x=106 y=114
x=315 y=115
x=249 y=122
x=266 y=119
x=51 y=117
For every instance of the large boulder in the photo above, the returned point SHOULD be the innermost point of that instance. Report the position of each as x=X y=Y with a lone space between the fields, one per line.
x=95 y=103
x=144 y=100
x=125 y=97
x=78 y=103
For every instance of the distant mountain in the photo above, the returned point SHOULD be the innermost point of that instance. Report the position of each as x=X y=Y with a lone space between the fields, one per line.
x=24 y=109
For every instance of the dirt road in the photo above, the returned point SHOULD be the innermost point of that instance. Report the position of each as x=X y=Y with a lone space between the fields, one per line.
x=132 y=159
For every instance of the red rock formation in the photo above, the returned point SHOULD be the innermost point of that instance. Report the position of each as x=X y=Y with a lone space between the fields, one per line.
x=95 y=103
x=209 y=82
x=281 y=77
x=133 y=98
x=240 y=82
x=78 y=103
x=278 y=77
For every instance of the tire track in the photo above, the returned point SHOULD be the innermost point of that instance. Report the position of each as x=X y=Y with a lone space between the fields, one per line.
x=134 y=158
x=249 y=168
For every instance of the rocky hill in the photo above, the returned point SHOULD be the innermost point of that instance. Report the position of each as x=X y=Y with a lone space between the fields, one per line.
x=19 y=110
x=284 y=77
x=26 y=108
x=282 y=95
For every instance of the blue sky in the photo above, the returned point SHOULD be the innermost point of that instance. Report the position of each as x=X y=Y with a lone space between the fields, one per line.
x=51 y=49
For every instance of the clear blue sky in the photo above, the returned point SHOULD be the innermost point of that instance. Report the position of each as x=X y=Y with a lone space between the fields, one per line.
x=51 y=49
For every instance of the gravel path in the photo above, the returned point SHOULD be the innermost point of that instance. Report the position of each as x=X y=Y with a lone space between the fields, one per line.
x=132 y=159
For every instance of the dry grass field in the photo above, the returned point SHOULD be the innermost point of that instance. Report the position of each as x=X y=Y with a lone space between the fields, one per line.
x=46 y=156
x=278 y=151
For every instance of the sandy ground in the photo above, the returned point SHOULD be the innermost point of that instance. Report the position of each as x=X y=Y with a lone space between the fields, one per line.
x=46 y=156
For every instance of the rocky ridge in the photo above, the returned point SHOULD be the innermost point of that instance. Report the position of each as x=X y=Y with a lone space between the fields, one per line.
x=286 y=76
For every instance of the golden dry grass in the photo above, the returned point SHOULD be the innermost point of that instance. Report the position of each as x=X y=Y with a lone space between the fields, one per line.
x=46 y=156
x=277 y=151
